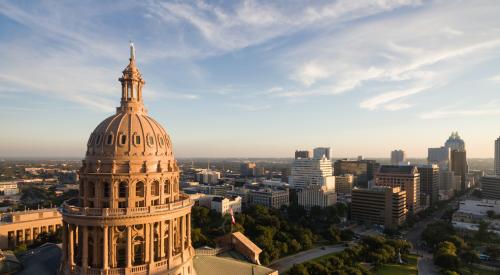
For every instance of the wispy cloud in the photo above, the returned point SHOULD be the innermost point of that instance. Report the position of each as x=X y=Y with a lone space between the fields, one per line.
x=387 y=97
x=461 y=113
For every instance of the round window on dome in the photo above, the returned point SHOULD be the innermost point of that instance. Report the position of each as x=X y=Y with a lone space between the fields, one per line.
x=123 y=139
x=98 y=140
x=151 y=140
x=109 y=139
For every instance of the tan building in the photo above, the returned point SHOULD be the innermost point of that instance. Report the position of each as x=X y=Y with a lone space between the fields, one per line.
x=382 y=205
x=344 y=183
x=130 y=217
x=24 y=226
x=316 y=195
x=270 y=197
x=404 y=176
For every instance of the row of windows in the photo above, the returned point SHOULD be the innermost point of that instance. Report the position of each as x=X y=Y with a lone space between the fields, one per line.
x=96 y=140
x=123 y=186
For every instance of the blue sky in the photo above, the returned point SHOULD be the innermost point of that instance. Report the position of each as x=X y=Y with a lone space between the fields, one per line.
x=255 y=78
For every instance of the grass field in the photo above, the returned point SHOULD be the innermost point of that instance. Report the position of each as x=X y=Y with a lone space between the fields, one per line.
x=476 y=271
x=395 y=269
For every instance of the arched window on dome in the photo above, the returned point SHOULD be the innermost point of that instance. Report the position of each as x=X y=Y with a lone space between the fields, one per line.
x=123 y=139
x=166 y=187
x=151 y=140
x=155 y=188
x=98 y=140
x=109 y=139
x=162 y=142
x=139 y=250
x=139 y=193
x=122 y=190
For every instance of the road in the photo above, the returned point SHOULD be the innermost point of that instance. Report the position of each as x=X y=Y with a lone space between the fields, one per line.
x=425 y=263
x=286 y=263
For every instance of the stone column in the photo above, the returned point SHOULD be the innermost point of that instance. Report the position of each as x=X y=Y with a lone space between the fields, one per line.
x=161 y=236
x=170 y=240
x=105 y=254
x=188 y=217
x=183 y=234
x=85 y=253
x=71 y=247
x=95 y=248
x=129 y=246
x=112 y=247
x=151 y=243
x=147 y=237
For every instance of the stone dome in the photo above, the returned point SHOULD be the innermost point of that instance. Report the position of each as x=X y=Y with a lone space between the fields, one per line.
x=129 y=134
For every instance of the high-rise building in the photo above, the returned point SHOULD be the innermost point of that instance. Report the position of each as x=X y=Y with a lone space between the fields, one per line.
x=398 y=157
x=316 y=195
x=490 y=187
x=381 y=205
x=429 y=182
x=302 y=154
x=130 y=217
x=404 y=176
x=307 y=171
x=270 y=197
x=321 y=152
x=208 y=176
x=497 y=156
x=362 y=170
x=458 y=160
x=344 y=183
x=248 y=169
x=440 y=156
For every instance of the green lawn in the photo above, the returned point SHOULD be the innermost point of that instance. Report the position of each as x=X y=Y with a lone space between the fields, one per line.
x=395 y=269
x=476 y=271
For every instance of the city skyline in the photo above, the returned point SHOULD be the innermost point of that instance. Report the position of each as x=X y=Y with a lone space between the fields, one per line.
x=255 y=79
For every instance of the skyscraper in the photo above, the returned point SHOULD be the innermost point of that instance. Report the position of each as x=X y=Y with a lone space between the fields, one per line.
x=429 y=182
x=458 y=159
x=398 y=157
x=497 y=156
x=307 y=171
x=130 y=217
x=404 y=176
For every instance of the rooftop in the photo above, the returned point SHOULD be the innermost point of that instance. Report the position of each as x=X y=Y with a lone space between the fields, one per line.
x=213 y=265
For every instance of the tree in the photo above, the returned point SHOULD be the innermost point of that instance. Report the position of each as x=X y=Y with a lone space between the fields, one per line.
x=437 y=232
x=470 y=256
x=298 y=269
x=492 y=251
x=346 y=235
x=482 y=233
x=445 y=256
x=490 y=213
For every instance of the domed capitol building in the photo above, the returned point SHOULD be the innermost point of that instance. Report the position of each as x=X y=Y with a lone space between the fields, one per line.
x=130 y=216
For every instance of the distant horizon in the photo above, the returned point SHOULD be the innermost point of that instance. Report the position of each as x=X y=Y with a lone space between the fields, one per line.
x=235 y=158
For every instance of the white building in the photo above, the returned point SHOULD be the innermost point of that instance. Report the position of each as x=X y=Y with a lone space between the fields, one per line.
x=223 y=205
x=316 y=195
x=8 y=188
x=269 y=197
x=472 y=212
x=307 y=171
x=398 y=157
x=497 y=156
x=207 y=176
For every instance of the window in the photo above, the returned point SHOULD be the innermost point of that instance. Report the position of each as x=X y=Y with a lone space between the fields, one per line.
x=109 y=141
x=139 y=189
x=98 y=140
x=151 y=140
x=123 y=139
x=166 y=186
x=106 y=190
x=137 y=140
x=122 y=192
x=155 y=188
x=161 y=141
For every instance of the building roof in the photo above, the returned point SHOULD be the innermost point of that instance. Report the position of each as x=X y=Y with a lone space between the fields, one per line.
x=213 y=265
x=397 y=169
x=247 y=242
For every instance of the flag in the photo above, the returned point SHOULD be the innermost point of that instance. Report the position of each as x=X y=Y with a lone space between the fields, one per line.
x=233 y=221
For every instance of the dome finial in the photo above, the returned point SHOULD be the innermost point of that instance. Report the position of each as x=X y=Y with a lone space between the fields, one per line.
x=132 y=51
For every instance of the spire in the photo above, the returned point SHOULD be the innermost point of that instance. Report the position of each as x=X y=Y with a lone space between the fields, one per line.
x=132 y=84
x=132 y=51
